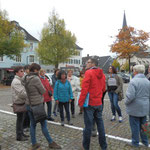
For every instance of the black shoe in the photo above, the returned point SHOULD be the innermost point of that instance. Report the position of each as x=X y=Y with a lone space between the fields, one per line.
x=22 y=138
x=25 y=135
x=50 y=119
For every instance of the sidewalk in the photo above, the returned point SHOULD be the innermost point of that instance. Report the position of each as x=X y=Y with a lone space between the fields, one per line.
x=68 y=138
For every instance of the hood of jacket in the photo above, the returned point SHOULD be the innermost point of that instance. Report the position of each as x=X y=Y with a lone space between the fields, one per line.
x=97 y=71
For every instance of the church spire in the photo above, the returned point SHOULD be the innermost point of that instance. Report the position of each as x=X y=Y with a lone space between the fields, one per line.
x=124 y=21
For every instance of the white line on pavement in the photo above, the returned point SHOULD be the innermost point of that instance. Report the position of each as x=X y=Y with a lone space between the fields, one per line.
x=78 y=128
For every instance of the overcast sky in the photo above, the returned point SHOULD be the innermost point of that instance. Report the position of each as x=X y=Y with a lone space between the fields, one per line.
x=92 y=21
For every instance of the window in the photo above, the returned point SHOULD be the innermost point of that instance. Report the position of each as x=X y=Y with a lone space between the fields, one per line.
x=79 y=61
x=31 y=46
x=1 y=58
x=74 y=61
x=18 y=58
x=31 y=58
x=71 y=61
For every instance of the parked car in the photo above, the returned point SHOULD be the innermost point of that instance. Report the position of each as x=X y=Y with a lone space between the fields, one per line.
x=8 y=80
x=49 y=77
x=125 y=78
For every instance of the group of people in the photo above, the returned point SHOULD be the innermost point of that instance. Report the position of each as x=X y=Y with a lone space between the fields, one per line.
x=92 y=83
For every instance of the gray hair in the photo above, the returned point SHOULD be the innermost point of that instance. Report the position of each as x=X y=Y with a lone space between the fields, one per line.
x=139 y=68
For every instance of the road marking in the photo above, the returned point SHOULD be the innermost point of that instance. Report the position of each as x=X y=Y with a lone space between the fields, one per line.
x=78 y=128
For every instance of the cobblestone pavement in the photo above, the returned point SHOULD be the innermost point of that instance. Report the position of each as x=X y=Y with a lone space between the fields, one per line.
x=69 y=138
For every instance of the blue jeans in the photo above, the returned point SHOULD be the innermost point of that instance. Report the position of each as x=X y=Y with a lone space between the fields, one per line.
x=135 y=125
x=93 y=113
x=33 y=128
x=114 y=103
x=49 y=109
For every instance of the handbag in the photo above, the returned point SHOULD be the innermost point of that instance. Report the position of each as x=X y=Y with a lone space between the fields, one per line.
x=38 y=111
x=17 y=108
x=120 y=96
x=49 y=92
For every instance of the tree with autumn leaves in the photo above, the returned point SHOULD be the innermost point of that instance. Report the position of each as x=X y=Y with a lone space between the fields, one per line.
x=129 y=42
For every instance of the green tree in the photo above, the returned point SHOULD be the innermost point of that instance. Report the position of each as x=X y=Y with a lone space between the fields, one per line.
x=125 y=66
x=116 y=64
x=11 y=38
x=57 y=44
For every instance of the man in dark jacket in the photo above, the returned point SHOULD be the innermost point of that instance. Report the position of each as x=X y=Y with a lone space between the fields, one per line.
x=93 y=86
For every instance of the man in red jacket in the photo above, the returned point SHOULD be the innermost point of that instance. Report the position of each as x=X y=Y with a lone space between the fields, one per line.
x=93 y=84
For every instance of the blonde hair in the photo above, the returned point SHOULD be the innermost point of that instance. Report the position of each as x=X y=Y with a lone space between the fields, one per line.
x=42 y=70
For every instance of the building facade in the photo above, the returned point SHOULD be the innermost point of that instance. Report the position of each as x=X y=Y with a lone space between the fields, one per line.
x=29 y=56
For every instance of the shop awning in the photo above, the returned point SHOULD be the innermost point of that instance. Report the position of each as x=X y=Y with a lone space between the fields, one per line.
x=10 y=70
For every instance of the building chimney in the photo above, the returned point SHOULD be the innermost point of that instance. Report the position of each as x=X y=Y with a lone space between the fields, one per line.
x=87 y=55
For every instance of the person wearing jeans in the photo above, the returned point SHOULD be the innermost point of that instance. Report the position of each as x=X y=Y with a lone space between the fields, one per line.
x=114 y=87
x=35 y=91
x=33 y=128
x=135 y=124
x=114 y=103
x=93 y=85
x=89 y=112
x=137 y=103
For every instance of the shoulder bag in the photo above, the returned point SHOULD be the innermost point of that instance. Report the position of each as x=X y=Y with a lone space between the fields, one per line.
x=38 y=111
x=18 y=108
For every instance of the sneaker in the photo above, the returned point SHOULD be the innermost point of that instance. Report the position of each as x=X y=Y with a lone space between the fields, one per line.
x=62 y=123
x=69 y=123
x=113 y=118
x=54 y=145
x=120 y=119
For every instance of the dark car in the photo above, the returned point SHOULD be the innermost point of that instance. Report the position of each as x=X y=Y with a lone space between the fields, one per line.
x=8 y=80
x=125 y=78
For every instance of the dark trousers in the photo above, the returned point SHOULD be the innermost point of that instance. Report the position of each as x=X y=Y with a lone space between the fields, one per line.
x=49 y=109
x=61 y=108
x=72 y=107
x=19 y=124
x=26 y=122
x=93 y=113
